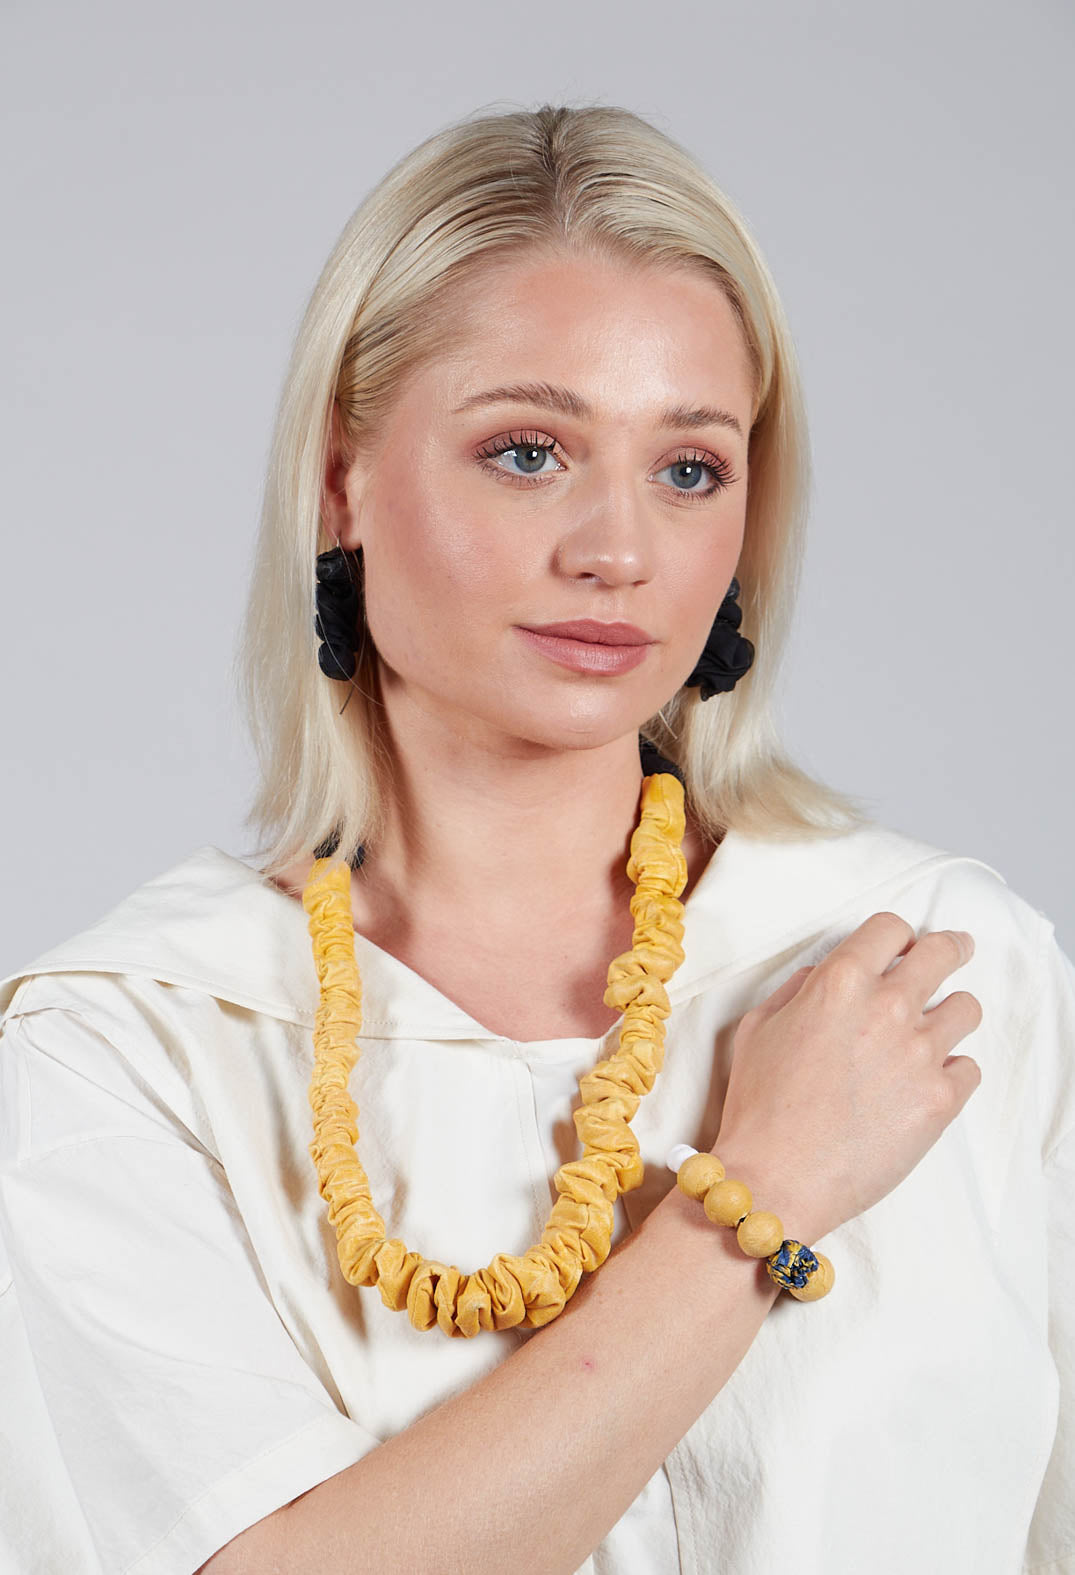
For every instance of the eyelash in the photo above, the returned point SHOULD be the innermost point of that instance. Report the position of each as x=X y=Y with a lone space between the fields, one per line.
x=720 y=469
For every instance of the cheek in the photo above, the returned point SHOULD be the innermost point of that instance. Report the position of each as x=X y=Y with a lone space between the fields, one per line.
x=465 y=561
x=442 y=571
x=697 y=591
x=700 y=581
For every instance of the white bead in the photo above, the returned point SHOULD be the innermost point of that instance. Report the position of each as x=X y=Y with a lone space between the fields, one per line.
x=677 y=1155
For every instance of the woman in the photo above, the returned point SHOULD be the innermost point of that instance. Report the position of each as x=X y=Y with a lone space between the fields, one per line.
x=544 y=378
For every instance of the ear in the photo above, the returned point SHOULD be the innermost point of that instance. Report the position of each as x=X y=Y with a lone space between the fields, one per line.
x=337 y=511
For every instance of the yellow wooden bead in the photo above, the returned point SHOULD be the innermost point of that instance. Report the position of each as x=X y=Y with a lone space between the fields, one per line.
x=727 y=1201
x=760 y=1234
x=818 y=1284
x=698 y=1173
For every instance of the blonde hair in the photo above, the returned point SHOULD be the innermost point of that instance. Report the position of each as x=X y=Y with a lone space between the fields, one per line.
x=488 y=190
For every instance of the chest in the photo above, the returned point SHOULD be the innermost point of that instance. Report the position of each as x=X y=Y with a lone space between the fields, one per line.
x=527 y=989
x=914 y=1383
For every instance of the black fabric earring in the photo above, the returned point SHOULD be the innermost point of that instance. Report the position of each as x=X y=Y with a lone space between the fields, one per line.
x=339 y=597
x=727 y=655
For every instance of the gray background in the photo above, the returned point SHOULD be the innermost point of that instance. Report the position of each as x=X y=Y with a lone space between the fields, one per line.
x=177 y=176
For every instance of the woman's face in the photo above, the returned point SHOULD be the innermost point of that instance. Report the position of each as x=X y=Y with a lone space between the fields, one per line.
x=601 y=489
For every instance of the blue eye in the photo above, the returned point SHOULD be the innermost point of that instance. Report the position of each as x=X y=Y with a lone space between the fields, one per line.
x=698 y=470
x=530 y=452
x=527 y=450
x=695 y=466
x=531 y=459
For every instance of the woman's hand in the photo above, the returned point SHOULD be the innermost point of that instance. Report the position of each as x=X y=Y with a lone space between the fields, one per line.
x=841 y=1081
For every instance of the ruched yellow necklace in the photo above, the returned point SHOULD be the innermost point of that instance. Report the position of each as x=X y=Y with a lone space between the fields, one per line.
x=532 y=1289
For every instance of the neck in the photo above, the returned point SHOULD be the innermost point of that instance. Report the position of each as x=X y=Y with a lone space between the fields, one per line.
x=515 y=831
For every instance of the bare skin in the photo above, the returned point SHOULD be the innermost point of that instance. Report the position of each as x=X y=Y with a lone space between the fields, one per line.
x=481 y=979
x=518 y=779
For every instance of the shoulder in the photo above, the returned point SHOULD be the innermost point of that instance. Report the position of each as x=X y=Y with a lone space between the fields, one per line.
x=826 y=887
x=209 y=923
x=1018 y=973
x=786 y=890
x=936 y=888
x=948 y=887
x=1023 y=980
x=129 y=1027
x=987 y=898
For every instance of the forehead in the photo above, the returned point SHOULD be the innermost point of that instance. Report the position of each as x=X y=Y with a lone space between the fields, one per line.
x=626 y=335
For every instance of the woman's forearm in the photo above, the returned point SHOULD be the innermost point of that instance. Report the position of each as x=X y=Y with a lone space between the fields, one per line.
x=532 y=1465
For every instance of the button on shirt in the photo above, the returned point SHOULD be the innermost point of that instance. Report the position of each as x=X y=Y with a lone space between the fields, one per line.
x=180 y=1354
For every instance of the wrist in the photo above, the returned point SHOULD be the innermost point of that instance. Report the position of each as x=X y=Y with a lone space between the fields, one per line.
x=694 y=1240
x=771 y=1192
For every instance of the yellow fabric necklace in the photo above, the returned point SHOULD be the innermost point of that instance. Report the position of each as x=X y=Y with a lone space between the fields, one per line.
x=532 y=1289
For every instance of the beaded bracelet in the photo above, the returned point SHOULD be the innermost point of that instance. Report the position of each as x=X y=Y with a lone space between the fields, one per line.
x=803 y=1274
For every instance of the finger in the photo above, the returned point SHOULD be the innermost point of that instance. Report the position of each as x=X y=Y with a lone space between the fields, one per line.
x=930 y=961
x=965 y=1075
x=912 y=940
x=952 y=1019
x=875 y=944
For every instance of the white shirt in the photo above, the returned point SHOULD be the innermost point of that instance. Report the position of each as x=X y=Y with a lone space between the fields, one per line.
x=179 y=1351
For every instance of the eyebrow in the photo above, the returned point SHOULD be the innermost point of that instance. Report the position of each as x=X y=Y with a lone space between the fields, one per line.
x=567 y=403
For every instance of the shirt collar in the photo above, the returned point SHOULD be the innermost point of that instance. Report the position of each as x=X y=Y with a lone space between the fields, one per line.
x=214 y=923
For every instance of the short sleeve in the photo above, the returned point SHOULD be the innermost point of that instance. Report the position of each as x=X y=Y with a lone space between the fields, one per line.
x=1051 y=1544
x=180 y=1407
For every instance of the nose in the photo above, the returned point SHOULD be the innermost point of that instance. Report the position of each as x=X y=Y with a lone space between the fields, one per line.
x=610 y=534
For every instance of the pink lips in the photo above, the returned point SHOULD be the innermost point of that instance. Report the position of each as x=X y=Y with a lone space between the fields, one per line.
x=591 y=630
x=590 y=647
